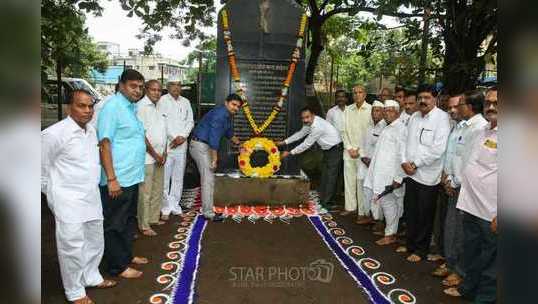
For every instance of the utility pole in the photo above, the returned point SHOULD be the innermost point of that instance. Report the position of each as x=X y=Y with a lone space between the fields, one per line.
x=59 y=88
x=199 y=84
x=424 y=47
x=162 y=74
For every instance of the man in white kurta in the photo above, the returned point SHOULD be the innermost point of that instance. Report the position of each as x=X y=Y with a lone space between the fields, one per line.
x=179 y=125
x=385 y=171
x=357 y=119
x=370 y=140
x=150 y=113
x=70 y=173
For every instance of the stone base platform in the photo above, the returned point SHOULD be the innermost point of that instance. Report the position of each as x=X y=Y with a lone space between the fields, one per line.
x=279 y=190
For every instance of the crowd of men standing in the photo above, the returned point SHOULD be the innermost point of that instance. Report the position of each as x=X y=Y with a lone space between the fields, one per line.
x=109 y=169
x=422 y=163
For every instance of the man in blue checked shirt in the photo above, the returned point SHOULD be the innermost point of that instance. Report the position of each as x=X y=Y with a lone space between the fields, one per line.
x=205 y=145
x=123 y=151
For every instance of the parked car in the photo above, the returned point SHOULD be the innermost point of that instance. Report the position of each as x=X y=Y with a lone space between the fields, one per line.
x=49 y=98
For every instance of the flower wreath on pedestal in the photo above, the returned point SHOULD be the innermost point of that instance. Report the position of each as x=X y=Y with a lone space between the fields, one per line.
x=259 y=144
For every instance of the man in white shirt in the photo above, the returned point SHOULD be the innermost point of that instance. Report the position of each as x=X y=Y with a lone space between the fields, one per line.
x=478 y=201
x=335 y=115
x=427 y=136
x=370 y=140
x=409 y=106
x=385 y=171
x=179 y=125
x=451 y=226
x=357 y=119
x=150 y=113
x=318 y=130
x=70 y=173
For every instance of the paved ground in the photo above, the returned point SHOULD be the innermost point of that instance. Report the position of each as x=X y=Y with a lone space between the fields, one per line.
x=247 y=244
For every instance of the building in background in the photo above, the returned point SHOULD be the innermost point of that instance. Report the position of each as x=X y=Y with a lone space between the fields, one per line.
x=154 y=66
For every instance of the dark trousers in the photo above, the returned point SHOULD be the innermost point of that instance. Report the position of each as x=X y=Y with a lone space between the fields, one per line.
x=453 y=236
x=420 y=201
x=331 y=164
x=480 y=260
x=119 y=228
x=518 y=249
x=439 y=223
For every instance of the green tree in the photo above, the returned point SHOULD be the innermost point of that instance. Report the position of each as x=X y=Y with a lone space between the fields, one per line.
x=463 y=31
x=66 y=47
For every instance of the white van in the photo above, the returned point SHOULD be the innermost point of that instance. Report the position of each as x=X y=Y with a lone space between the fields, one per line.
x=49 y=98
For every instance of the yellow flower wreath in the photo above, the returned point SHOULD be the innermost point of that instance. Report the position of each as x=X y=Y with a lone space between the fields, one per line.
x=257 y=144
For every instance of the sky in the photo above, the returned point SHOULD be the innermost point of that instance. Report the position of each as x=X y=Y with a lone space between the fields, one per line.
x=115 y=26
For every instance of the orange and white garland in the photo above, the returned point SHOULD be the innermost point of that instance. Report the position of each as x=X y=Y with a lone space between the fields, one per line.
x=277 y=108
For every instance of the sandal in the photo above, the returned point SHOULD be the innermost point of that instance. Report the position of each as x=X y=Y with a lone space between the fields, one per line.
x=413 y=258
x=106 y=284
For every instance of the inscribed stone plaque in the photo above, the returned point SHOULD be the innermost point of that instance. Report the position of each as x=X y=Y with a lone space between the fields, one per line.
x=264 y=34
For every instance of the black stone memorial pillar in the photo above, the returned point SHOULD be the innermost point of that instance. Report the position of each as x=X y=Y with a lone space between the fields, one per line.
x=264 y=34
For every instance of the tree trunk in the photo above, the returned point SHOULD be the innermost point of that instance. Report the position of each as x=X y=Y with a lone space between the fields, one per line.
x=315 y=51
x=59 y=88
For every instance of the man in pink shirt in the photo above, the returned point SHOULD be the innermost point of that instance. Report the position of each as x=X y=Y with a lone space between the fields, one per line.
x=478 y=201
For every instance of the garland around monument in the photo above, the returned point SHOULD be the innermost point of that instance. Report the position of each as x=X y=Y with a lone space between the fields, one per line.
x=232 y=61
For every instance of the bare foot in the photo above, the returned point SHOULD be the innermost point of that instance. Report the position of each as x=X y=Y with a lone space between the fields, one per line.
x=435 y=257
x=440 y=272
x=452 y=291
x=165 y=217
x=401 y=249
x=130 y=273
x=452 y=280
x=414 y=258
x=345 y=213
x=364 y=220
x=140 y=260
x=149 y=232
x=85 y=300
x=387 y=240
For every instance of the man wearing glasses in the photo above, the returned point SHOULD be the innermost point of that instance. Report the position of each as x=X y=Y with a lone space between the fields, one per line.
x=428 y=131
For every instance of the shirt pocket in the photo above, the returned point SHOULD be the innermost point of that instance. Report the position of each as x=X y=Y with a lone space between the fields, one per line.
x=487 y=156
x=426 y=137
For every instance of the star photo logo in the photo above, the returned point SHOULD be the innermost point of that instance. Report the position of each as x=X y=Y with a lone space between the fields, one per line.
x=319 y=270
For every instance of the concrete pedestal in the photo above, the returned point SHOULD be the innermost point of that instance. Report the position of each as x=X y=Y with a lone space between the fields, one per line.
x=258 y=191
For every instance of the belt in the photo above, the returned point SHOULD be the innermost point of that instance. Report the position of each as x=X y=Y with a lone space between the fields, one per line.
x=198 y=140
x=337 y=146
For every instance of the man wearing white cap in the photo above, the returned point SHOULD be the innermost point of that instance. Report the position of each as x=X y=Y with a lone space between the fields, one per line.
x=385 y=171
x=370 y=140
x=180 y=122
